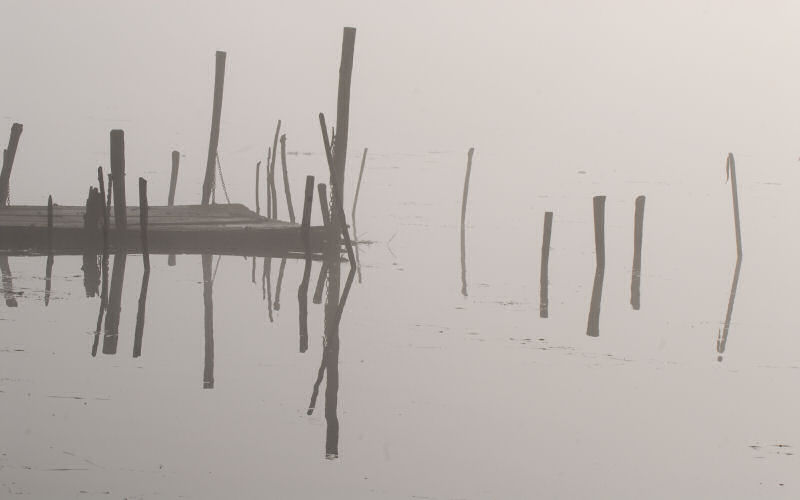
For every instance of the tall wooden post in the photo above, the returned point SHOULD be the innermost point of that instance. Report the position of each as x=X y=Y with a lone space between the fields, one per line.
x=213 y=142
x=286 y=190
x=343 y=112
x=8 y=162
x=118 y=173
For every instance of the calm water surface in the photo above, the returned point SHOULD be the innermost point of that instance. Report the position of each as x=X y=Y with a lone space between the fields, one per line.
x=440 y=395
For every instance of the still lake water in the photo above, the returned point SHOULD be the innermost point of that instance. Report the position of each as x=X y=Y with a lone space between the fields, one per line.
x=441 y=395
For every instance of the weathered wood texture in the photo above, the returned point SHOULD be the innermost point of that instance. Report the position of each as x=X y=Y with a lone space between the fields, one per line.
x=230 y=229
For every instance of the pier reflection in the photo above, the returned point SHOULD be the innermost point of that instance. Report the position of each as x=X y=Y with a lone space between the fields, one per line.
x=8 y=284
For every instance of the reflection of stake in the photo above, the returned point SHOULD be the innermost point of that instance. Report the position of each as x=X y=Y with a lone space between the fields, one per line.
x=593 y=328
x=463 y=224
x=544 y=272
x=103 y=303
x=722 y=337
x=636 y=273
x=208 y=323
x=279 y=285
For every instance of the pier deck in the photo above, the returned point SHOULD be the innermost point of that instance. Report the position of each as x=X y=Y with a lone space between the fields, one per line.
x=218 y=229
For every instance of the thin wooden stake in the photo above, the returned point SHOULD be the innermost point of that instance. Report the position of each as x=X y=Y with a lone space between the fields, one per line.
x=173 y=178
x=258 y=201
x=271 y=177
x=593 y=327
x=544 y=272
x=636 y=272
x=731 y=171
x=358 y=185
x=463 y=223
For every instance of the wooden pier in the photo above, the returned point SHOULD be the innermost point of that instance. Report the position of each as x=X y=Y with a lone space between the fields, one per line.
x=218 y=229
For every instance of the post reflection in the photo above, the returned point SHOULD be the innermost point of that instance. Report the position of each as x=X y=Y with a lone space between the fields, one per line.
x=114 y=309
x=208 y=322
x=103 y=302
x=722 y=338
x=8 y=283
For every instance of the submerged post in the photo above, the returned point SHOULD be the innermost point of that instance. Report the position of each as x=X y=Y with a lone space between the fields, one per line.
x=118 y=173
x=544 y=272
x=286 y=189
x=143 y=222
x=8 y=162
x=216 y=113
x=636 y=273
x=302 y=291
x=730 y=167
x=463 y=224
x=173 y=178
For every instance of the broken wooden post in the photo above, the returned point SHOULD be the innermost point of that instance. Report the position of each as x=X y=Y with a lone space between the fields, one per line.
x=118 y=173
x=323 y=204
x=286 y=189
x=258 y=201
x=216 y=113
x=173 y=178
x=544 y=272
x=593 y=327
x=731 y=171
x=143 y=222
x=599 y=229
x=8 y=162
x=302 y=291
x=463 y=223
x=636 y=272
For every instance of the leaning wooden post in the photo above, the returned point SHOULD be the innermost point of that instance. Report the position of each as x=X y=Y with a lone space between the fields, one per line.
x=216 y=113
x=286 y=189
x=302 y=291
x=8 y=162
x=326 y=220
x=636 y=271
x=463 y=223
x=731 y=170
x=143 y=222
x=269 y=190
x=173 y=178
x=271 y=176
x=118 y=173
x=358 y=185
x=544 y=272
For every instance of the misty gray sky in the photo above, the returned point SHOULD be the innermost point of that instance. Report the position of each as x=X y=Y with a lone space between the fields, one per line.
x=557 y=82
